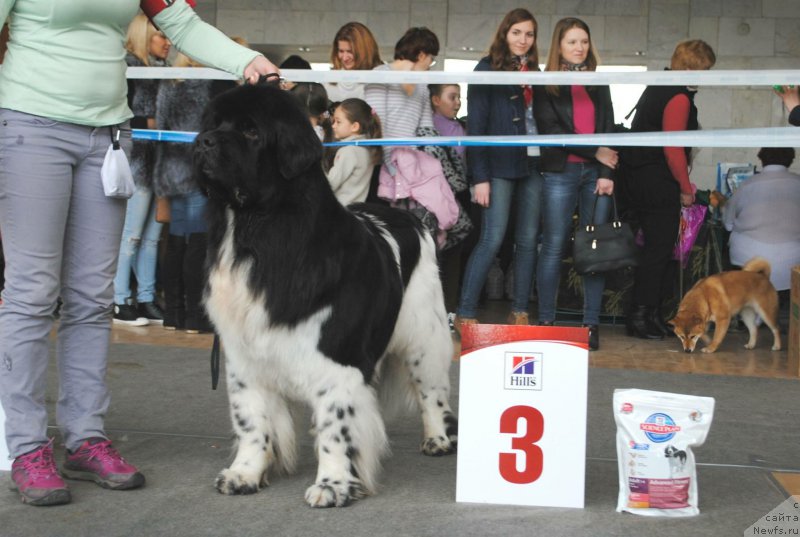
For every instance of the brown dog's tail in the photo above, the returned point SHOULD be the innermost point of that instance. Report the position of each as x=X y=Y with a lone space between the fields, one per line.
x=758 y=264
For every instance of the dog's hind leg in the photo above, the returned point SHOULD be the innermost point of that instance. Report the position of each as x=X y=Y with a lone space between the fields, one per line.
x=351 y=439
x=264 y=436
x=768 y=309
x=748 y=316
x=423 y=344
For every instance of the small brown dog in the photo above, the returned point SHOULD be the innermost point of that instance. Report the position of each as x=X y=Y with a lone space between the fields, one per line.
x=719 y=297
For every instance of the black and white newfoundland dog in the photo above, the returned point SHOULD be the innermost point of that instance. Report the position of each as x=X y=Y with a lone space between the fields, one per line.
x=314 y=303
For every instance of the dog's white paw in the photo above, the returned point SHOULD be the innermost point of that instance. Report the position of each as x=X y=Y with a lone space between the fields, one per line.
x=438 y=446
x=335 y=493
x=749 y=346
x=707 y=349
x=776 y=347
x=231 y=482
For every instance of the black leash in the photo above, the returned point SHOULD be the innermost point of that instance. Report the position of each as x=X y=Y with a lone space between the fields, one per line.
x=215 y=362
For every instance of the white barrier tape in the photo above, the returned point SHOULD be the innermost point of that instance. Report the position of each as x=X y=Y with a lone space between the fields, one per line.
x=760 y=137
x=649 y=78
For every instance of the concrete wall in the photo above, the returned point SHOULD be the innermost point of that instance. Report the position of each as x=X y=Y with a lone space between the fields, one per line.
x=746 y=34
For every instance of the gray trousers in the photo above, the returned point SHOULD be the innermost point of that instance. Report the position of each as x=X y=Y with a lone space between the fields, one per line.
x=61 y=237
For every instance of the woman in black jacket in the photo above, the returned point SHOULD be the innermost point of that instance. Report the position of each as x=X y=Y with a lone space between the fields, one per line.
x=573 y=176
x=501 y=175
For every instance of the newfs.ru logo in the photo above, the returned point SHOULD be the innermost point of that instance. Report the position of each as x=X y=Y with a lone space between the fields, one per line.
x=523 y=371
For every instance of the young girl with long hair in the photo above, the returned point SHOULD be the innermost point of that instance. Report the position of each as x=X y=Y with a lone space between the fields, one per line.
x=502 y=176
x=354 y=119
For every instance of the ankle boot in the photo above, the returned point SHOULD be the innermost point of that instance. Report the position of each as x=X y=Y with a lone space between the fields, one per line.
x=172 y=276
x=661 y=325
x=639 y=324
x=194 y=283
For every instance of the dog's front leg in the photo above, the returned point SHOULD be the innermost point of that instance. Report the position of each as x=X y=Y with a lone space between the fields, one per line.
x=264 y=435
x=721 y=325
x=351 y=438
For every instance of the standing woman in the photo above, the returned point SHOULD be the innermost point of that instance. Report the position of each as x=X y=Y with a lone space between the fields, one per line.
x=354 y=47
x=504 y=175
x=147 y=47
x=179 y=107
x=61 y=234
x=573 y=176
x=403 y=108
x=654 y=184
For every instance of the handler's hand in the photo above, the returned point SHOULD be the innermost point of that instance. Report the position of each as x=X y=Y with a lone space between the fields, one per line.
x=687 y=199
x=260 y=66
x=789 y=96
x=607 y=156
x=604 y=187
x=482 y=193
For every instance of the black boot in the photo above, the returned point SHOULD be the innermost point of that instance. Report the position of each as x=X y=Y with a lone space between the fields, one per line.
x=661 y=325
x=172 y=276
x=194 y=282
x=594 y=336
x=640 y=324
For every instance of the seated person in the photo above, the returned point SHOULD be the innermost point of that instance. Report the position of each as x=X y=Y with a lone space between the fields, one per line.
x=762 y=218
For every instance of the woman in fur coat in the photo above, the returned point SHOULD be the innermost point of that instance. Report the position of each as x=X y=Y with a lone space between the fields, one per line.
x=179 y=107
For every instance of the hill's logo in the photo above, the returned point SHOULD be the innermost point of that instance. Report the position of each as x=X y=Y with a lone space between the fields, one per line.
x=659 y=427
x=523 y=371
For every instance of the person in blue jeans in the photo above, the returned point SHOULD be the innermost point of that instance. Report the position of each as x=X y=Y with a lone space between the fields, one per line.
x=502 y=176
x=573 y=176
x=147 y=47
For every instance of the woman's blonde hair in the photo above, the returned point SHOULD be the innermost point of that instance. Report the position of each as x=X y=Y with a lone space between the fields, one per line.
x=693 y=55
x=137 y=41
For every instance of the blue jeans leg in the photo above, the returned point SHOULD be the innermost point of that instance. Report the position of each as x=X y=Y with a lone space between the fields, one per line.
x=493 y=228
x=146 y=260
x=559 y=198
x=593 y=284
x=138 y=248
x=494 y=224
x=526 y=236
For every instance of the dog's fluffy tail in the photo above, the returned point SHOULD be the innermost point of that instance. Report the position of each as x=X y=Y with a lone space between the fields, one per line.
x=758 y=264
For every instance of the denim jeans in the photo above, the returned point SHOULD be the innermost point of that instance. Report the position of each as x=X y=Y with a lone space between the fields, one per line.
x=526 y=193
x=188 y=214
x=138 y=249
x=561 y=192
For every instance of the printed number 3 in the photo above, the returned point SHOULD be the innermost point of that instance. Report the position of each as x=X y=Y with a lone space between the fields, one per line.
x=534 y=458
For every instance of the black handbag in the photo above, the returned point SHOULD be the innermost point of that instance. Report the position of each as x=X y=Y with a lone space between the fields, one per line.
x=603 y=247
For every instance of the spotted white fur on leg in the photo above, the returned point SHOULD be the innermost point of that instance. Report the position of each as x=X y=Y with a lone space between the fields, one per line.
x=421 y=351
x=351 y=440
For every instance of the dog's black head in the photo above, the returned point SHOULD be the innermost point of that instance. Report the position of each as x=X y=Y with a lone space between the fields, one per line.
x=253 y=141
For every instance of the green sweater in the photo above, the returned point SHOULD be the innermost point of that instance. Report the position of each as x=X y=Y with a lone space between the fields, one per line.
x=66 y=58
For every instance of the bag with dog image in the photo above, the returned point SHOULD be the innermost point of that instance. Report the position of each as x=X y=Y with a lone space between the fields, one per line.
x=656 y=432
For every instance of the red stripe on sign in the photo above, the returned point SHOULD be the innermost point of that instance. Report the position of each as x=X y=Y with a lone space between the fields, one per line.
x=152 y=8
x=478 y=336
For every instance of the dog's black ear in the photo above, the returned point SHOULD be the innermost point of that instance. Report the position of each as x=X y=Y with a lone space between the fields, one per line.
x=298 y=153
x=298 y=146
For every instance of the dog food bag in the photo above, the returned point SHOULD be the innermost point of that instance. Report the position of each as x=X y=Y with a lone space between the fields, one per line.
x=656 y=432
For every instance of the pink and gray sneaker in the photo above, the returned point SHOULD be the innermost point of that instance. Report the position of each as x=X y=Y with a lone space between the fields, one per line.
x=36 y=477
x=97 y=460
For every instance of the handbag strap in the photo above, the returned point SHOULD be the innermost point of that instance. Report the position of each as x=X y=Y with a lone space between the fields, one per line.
x=616 y=222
